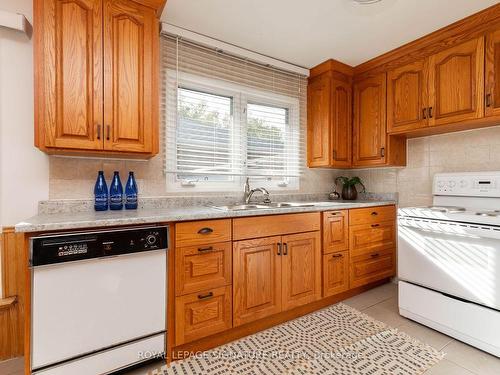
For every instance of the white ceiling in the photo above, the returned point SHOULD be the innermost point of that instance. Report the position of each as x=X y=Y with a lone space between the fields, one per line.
x=307 y=33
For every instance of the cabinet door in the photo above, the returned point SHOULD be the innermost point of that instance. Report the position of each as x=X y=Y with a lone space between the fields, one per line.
x=68 y=92
x=369 y=132
x=301 y=283
x=366 y=238
x=319 y=150
x=407 y=97
x=202 y=314
x=131 y=77
x=335 y=231
x=335 y=273
x=456 y=83
x=373 y=266
x=492 y=105
x=256 y=279
x=341 y=124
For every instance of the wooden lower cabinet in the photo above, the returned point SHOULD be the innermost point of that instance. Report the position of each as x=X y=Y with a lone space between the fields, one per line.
x=335 y=273
x=256 y=279
x=202 y=267
x=202 y=314
x=371 y=267
x=301 y=269
x=275 y=274
x=335 y=231
x=366 y=238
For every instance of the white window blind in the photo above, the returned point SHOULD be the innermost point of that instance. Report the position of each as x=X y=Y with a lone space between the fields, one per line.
x=226 y=117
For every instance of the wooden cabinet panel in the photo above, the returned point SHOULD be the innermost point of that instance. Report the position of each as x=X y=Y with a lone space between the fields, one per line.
x=335 y=231
x=202 y=314
x=130 y=86
x=369 y=131
x=341 y=124
x=202 y=267
x=372 y=215
x=456 y=83
x=264 y=226
x=407 y=97
x=301 y=268
x=256 y=279
x=202 y=232
x=371 y=267
x=366 y=238
x=69 y=81
x=492 y=74
x=335 y=273
x=319 y=121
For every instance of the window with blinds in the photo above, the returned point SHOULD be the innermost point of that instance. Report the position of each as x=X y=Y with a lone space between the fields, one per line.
x=227 y=119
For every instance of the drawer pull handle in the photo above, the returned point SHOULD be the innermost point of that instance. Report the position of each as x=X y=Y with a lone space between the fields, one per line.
x=374 y=213
x=488 y=100
x=206 y=296
x=279 y=248
x=205 y=230
x=375 y=225
x=285 y=249
x=376 y=255
x=334 y=213
x=337 y=255
x=204 y=249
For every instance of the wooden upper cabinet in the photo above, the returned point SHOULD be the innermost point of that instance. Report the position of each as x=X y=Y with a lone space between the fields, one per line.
x=329 y=123
x=319 y=92
x=456 y=83
x=369 y=130
x=96 y=77
x=341 y=124
x=492 y=74
x=301 y=269
x=131 y=77
x=407 y=97
x=256 y=279
x=69 y=83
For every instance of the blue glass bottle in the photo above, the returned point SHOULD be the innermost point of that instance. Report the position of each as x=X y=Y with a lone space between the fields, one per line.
x=100 y=193
x=116 y=193
x=131 y=192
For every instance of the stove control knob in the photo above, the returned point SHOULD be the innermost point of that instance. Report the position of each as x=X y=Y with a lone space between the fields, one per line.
x=151 y=239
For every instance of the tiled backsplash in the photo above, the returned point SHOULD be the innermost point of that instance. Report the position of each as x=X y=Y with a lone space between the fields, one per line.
x=476 y=150
x=74 y=178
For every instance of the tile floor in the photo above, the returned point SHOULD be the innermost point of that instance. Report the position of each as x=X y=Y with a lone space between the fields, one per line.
x=380 y=303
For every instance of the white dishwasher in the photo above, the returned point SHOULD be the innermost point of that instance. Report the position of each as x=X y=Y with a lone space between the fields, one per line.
x=98 y=300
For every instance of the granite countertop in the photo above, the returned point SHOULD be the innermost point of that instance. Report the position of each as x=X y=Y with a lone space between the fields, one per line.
x=92 y=219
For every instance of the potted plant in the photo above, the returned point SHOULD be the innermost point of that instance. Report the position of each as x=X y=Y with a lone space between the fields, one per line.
x=349 y=191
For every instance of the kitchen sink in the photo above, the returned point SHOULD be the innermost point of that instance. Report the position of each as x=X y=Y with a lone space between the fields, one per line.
x=244 y=207
x=241 y=207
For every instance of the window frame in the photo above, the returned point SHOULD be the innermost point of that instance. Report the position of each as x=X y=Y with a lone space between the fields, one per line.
x=241 y=96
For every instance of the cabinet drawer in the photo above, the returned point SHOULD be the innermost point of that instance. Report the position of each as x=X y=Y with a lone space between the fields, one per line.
x=372 y=267
x=335 y=273
x=202 y=232
x=335 y=231
x=372 y=215
x=275 y=225
x=202 y=267
x=371 y=237
x=202 y=314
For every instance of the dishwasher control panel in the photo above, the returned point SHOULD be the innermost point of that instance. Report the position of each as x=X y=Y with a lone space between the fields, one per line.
x=70 y=247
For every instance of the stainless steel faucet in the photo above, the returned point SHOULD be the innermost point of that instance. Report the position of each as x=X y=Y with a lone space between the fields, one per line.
x=249 y=192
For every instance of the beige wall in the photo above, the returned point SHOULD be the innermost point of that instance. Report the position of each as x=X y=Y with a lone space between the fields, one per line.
x=477 y=150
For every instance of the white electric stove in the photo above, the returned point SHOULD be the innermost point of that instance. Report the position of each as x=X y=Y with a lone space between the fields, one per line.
x=449 y=259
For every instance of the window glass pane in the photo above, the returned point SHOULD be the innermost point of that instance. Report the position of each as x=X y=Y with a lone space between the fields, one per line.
x=204 y=136
x=267 y=128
